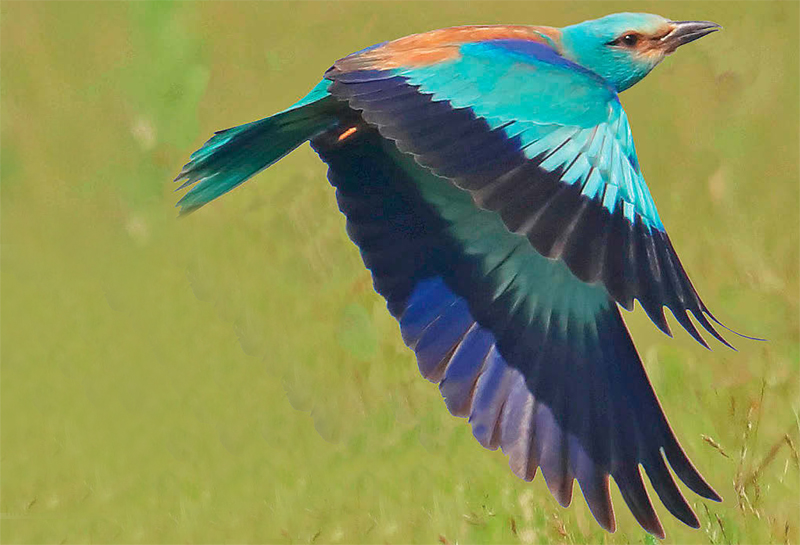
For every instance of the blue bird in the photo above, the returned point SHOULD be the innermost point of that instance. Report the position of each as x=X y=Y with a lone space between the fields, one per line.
x=489 y=178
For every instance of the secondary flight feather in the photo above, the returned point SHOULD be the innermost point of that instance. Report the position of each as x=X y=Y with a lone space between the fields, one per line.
x=489 y=178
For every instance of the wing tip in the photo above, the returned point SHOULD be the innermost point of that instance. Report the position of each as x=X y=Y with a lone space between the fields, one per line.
x=560 y=486
x=742 y=335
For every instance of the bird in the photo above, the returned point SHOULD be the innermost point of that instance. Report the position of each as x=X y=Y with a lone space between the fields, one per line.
x=489 y=178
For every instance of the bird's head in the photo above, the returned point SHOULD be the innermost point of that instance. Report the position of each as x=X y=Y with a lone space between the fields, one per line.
x=624 y=47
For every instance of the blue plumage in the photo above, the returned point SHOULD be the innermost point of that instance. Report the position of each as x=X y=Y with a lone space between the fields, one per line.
x=489 y=178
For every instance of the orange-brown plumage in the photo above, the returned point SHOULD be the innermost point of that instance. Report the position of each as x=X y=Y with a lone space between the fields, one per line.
x=441 y=45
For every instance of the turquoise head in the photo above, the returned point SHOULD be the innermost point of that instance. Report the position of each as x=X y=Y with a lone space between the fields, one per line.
x=624 y=47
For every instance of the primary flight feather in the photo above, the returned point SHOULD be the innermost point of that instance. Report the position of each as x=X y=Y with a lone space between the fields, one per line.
x=488 y=176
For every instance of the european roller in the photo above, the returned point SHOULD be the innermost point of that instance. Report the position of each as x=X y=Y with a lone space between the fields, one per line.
x=489 y=178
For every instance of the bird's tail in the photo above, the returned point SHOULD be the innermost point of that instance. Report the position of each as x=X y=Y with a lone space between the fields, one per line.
x=234 y=155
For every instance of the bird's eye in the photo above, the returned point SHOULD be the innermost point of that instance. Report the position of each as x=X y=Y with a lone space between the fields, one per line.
x=629 y=40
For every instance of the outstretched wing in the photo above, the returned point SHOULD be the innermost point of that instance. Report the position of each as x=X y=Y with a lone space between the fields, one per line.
x=539 y=140
x=539 y=361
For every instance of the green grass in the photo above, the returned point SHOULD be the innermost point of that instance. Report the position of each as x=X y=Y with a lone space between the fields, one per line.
x=231 y=376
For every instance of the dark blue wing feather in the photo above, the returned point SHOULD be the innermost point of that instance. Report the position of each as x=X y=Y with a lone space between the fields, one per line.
x=540 y=362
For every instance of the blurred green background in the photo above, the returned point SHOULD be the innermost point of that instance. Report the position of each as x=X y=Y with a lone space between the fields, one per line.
x=232 y=377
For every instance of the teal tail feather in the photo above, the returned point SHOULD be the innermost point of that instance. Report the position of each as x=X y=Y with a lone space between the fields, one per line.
x=234 y=155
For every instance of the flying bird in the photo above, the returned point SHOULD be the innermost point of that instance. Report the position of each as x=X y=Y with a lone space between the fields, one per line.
x=489 y=178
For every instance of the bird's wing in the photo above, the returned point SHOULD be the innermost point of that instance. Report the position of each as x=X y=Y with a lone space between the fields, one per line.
x=541 y=141
x=539 y=361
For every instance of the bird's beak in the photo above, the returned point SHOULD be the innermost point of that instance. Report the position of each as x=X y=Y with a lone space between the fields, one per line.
x=684 y=32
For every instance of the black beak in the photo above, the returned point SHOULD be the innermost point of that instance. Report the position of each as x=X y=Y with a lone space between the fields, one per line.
x=687 y=31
